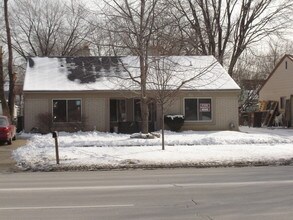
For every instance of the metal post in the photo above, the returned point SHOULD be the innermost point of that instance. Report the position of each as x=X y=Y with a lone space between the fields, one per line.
x=55 y=136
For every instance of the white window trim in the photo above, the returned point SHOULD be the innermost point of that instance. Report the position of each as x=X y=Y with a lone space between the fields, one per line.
x=199 y=121
x=66 y=99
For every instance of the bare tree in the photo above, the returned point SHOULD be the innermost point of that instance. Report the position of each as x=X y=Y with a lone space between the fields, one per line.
x=265 y=61
x=4 y=105
x=227 y=28
x=47 y=28
x=133 y=24
x=5 y=108
x=253 y=67
x=11 y=74
x=76 y=29
x=168 y=75
x=250 y=78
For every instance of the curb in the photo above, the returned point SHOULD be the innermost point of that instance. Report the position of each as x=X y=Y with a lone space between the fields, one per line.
x=60 y=167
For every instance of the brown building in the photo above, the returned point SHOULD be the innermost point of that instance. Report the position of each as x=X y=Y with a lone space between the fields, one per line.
x=96 y=93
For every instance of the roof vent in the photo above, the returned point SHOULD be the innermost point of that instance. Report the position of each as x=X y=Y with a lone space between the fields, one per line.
x=84 y=51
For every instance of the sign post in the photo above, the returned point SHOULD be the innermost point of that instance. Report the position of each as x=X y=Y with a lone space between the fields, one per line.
x=55 y=136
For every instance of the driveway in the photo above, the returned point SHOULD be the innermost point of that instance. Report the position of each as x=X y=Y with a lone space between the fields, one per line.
x=7 y=164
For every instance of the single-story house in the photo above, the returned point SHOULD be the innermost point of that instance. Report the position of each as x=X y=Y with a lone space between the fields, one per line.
x=97 y=93
x=278 y=87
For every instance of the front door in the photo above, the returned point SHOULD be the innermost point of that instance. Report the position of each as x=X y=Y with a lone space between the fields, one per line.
x=125 y=115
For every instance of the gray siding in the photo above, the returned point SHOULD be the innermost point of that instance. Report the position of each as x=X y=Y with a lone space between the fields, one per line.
x=226 y=112
x=33 y=108
x=95 y=113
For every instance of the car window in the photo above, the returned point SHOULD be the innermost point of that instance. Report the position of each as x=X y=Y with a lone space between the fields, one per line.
x=3 y=122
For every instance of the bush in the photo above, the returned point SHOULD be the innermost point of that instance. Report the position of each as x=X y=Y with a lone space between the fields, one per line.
x=174 y=122
x=46 y=124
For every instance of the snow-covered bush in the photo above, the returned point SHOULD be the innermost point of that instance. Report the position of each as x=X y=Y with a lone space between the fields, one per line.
x=174 y=122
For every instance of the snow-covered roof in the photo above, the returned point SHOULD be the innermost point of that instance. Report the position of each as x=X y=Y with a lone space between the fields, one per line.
x=113 y=73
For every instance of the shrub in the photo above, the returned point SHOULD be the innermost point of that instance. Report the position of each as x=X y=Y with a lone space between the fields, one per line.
x=45 y=123
x=174 y=122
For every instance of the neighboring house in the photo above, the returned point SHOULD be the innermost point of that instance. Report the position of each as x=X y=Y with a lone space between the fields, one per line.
x=95 y=93
x=16 y=110
x=278 y=87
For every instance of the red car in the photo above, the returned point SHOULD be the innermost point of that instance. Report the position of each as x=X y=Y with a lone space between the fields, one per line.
x=7 y=130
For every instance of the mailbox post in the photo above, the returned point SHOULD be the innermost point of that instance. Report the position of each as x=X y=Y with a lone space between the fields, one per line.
x=55 y=136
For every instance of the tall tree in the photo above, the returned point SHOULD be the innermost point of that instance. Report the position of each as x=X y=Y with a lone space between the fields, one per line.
x=48 y=28
x=133 y=24
x=11 y=74
x=226 y=28
x=5 y=108
x=254 y=67
x=168 y=75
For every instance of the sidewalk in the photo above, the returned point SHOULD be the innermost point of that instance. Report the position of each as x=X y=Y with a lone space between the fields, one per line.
x=7 y=164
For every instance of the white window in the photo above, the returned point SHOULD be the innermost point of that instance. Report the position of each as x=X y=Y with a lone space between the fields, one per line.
x=198 y=109
x=117 y=110
x=67 y=110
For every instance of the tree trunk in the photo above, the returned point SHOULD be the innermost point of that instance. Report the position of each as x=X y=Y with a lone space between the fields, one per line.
x=144 y=116
x=5 y=109
x=163 y=127
x=144 y=101
x=10 y=64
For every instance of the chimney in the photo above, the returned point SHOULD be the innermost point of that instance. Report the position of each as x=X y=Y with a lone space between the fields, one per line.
x=84 y=51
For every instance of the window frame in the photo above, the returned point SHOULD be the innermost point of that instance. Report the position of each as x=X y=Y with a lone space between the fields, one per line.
x=198 y=109
x=118 y=103
x=282 y=102
x=67 y=115
x=152 y=110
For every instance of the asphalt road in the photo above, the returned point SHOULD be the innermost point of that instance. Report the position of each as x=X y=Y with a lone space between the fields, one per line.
x=220 y=193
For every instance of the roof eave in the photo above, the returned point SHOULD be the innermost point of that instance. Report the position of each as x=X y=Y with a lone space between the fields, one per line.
x=103 y=91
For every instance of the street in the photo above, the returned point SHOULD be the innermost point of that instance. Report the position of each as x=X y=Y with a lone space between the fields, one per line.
x=213 y=193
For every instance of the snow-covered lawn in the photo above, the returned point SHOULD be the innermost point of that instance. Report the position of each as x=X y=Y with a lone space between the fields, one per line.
x=95 y=150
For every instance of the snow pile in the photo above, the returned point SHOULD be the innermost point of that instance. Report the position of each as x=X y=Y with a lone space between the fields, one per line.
x=95 y=150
